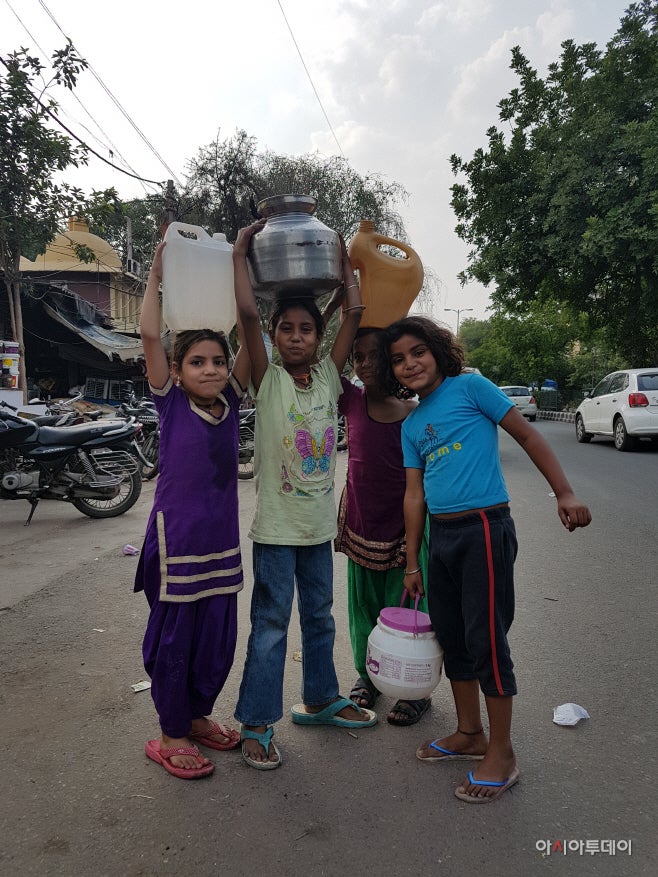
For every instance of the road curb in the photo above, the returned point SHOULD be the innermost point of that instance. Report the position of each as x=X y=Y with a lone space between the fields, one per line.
x=565 y=416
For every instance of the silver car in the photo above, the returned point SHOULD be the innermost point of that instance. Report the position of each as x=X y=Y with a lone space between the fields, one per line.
x=623 y=406
x=523 y=399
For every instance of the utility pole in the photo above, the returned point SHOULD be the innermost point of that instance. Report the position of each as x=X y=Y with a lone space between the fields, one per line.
x=458 y=311
x=170 y=211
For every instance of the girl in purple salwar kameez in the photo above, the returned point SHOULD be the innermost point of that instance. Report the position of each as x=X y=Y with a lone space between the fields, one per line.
x=190 y=566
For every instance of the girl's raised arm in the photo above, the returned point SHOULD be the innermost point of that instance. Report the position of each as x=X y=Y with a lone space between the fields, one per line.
x=157 y=365
x=248 y=316
x=241 y=364
x=351 y=316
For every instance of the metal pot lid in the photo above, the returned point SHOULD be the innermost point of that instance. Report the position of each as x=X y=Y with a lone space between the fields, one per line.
x=278 y=204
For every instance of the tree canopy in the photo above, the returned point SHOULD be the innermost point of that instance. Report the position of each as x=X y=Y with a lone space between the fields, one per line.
x=32 y=203
x=228 y=178
x=565 y=205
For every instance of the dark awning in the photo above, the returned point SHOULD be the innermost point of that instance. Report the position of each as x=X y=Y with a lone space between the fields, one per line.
x=106 y=340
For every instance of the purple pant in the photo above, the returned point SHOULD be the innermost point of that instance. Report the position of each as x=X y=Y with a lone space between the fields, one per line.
x=188 y=652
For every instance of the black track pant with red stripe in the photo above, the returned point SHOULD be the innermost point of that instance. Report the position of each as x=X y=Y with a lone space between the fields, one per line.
x=471 y=596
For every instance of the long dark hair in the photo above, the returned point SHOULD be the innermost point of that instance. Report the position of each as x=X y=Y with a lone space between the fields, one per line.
x=444 y=347
x=188 y=337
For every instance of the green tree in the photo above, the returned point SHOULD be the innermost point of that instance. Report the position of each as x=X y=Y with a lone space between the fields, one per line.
x=228 y=178
x=134 y=225
x=529 y=348
x=32 y=204
x=566 y=206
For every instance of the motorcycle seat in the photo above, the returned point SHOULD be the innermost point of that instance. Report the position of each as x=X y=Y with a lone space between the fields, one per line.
x=79 y=433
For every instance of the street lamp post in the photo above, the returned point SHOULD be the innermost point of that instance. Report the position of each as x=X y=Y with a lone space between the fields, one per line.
x=458 y=311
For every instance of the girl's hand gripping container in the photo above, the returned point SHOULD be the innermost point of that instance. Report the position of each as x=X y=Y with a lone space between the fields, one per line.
x=388 y=285
x=404 y=658
x=197 y=280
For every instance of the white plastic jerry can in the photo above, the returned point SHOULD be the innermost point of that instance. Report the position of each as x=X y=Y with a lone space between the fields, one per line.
x=197 y=279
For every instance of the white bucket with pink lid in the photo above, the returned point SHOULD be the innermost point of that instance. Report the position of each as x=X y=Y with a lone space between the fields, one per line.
x=404 y=658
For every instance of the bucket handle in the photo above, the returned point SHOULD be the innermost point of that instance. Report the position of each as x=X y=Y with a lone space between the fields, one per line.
x=405 y=594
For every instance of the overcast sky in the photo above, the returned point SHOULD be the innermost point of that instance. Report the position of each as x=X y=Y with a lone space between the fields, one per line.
x=403 y=84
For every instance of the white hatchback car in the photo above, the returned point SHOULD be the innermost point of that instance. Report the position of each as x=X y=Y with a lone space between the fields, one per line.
x=623 y=406
x=523 y=399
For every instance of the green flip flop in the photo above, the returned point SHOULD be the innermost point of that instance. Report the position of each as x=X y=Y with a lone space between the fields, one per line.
x=328 y=716
x=264 y=740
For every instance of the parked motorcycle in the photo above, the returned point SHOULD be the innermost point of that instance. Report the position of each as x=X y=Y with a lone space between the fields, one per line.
x=145 y=412
x=94 y=466
x=60 y=412
x=246 y=443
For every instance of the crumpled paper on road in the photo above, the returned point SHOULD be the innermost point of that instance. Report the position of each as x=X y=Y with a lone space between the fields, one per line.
x=569 y=714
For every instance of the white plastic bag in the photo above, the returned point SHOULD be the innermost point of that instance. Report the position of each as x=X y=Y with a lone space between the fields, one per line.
x=569 y=714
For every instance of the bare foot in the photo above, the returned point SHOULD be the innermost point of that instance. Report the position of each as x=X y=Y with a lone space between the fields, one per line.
x=255 y=750
x=189 y=762
x=457 y=744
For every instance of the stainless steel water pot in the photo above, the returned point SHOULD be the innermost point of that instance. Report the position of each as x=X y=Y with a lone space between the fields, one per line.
x=295 y=254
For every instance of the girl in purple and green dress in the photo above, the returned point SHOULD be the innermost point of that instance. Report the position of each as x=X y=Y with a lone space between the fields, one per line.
x=190 y=566
x=371 y=515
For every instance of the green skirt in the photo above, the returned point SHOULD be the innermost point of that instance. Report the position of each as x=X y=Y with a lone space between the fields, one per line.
x=369 y=591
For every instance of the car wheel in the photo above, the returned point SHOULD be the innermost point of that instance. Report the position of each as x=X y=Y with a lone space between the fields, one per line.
x=532 y=418
x=623 y=441
x=581 y=434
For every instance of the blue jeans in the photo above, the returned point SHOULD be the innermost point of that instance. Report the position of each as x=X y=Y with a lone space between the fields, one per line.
x=276 y=569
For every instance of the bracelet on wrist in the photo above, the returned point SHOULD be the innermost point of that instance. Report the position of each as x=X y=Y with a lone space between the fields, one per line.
x=411 y=572
x=355 y=308
x=352 y=286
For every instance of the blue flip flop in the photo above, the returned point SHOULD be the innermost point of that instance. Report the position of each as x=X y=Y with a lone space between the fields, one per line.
x=328 y=716
x=446 y=754
x=502 y=786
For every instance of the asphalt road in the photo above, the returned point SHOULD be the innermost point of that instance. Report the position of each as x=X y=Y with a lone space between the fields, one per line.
x=80 y=798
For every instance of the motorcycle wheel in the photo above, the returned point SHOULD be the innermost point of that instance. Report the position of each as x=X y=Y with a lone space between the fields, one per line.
x=129 y=491
x=246 y=461
x=151 y=450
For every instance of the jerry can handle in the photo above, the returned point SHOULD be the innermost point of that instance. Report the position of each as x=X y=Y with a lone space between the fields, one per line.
x=186 y=230
x=380 y=240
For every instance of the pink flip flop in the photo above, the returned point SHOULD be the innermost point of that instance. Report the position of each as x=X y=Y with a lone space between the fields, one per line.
x=205 y=737
x=161 y=756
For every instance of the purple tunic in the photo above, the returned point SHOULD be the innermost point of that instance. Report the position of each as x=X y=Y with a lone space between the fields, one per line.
x=192 y=535
x=371 y=514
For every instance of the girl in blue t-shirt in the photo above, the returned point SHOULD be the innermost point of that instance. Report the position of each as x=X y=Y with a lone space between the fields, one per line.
x=450 y=446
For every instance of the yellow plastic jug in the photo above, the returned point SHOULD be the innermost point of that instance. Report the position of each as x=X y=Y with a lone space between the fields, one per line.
x=388 y=285
x=197 y=279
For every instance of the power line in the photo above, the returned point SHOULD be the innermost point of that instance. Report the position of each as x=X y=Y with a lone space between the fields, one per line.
x=301 y=58
x=111 y=148
x=54 y=117
x=115 y=101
